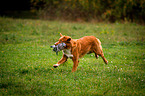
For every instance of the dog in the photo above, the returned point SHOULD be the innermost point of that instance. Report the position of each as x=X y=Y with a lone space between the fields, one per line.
x=77 y=48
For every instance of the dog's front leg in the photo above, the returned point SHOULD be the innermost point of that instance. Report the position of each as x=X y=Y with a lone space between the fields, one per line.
x=62 y=60
x=75 y=64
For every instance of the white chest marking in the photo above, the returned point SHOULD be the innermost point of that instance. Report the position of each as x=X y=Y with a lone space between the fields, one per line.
x=67 y=52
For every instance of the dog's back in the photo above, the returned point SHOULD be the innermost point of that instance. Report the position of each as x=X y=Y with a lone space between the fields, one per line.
x=88 y=44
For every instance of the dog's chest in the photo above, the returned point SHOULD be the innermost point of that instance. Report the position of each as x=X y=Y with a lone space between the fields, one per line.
x=67 y=52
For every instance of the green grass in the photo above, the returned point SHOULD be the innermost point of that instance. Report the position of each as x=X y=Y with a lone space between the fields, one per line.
x=26 y=63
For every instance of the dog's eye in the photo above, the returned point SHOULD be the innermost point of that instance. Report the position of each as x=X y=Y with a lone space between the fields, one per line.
x=60 y=41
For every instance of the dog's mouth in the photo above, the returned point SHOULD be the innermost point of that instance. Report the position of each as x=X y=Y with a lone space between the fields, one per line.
x=65 y=47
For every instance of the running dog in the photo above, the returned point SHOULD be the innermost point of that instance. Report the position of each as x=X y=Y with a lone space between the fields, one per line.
x=77 y=48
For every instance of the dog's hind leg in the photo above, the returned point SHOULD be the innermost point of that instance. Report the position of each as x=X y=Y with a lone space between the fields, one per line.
x=98 y=50
x=104 y=59
x=96 y=55
x=100 y=53
x=62 y=60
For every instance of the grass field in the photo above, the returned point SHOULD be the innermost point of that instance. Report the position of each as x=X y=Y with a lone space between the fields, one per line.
x=26 y=59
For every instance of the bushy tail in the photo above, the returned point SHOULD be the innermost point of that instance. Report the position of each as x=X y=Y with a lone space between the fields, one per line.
x=99 y=43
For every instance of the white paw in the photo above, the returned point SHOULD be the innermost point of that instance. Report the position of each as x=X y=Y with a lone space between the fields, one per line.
x=56 y=65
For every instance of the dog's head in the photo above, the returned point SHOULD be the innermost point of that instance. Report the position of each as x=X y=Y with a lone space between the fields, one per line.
x=67 y=40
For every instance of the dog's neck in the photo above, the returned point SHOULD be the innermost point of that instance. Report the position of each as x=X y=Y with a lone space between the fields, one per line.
x=67 y=52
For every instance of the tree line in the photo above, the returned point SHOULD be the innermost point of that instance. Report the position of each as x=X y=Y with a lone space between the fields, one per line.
x=110 y=10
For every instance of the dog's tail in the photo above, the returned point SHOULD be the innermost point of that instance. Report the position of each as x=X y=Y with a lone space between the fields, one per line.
x=99 y=43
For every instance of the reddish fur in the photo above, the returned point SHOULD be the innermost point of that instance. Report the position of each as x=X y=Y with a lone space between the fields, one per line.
x=79 y=47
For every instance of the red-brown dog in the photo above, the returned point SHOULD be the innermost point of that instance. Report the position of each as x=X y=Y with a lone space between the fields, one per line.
x=77 y=48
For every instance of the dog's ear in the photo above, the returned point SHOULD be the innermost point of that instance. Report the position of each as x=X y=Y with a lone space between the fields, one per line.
x=61 y=35
x=68 y=39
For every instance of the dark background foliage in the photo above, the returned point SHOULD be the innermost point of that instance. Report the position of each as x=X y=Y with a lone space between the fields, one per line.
x=77 y=10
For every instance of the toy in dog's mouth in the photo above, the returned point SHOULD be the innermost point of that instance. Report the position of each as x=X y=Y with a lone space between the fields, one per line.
x=59 y=47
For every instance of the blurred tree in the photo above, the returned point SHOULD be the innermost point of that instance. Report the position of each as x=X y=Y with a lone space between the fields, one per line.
x=111 y=10
x=14 y=5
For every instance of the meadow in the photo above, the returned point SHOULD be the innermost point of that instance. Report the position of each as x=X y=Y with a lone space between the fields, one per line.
x=26 y=59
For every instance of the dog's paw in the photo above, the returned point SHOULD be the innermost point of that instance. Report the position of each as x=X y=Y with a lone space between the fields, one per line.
x=106 y=62
x=55 y=65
